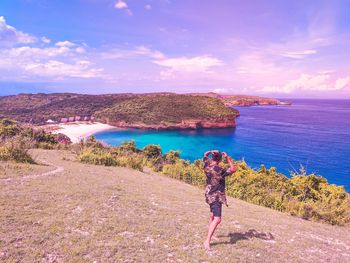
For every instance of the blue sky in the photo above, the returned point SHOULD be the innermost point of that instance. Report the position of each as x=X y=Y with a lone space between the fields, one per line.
x=271 y=48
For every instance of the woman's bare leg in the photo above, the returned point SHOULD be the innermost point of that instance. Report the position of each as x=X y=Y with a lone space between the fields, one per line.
x=214 y=223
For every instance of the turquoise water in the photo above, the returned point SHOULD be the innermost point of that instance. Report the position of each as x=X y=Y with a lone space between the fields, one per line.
x=312 y=133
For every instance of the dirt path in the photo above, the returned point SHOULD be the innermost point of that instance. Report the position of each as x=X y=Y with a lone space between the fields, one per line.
x=57 y=169
x=110 y=214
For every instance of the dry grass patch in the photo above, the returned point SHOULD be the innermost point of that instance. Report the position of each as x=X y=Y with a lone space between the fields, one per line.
x=89 y=213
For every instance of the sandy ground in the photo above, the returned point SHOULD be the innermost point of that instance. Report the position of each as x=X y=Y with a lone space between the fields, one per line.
x=88 y=213
x=80 y=130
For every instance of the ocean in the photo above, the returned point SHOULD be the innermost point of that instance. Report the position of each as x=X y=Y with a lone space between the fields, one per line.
x=314 y=134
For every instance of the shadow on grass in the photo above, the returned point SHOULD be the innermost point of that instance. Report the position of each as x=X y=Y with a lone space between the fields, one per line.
x=251 y=233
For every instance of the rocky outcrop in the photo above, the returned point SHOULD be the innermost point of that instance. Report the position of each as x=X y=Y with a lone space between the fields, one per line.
x=185 y=124
x=243 y=100
x=246 y=102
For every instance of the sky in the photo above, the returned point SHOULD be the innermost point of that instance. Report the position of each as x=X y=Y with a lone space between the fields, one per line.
x=285 y=49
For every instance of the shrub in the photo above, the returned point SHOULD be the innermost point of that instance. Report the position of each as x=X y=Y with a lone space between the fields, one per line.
x=42 y=136
x=134 y=161
x=152 y=151
x=16 y=149
x=172 y=157
x=99 y=157
x=92 y=142
x=129 y=146
x=62 y=139
x=8 y=128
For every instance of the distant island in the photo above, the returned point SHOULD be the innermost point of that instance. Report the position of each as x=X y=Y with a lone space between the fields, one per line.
x=128 y=110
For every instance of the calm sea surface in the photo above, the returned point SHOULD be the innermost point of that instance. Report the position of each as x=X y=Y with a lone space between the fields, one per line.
x=312 y=133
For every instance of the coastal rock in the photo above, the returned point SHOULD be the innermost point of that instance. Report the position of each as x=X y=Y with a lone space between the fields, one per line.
x=185 y=124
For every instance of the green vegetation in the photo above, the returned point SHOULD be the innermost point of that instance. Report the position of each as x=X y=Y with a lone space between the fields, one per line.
x=166 y=109
x=16 y=139
x=302 y=195
x=130 y=108
x=15 y=149
x=91 y=151
x=38 y=108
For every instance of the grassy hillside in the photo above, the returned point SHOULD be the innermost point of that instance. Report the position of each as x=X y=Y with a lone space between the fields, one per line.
x=88 y=213
x=146 y=108
x=37 y=108
x=170 y=108
x=304 y=195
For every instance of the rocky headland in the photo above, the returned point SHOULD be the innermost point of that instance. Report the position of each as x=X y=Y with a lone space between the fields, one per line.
x=142 y=111
x=171 y=111
x=243 y=100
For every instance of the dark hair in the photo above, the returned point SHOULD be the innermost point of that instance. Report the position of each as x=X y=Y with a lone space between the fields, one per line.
x=216 y=157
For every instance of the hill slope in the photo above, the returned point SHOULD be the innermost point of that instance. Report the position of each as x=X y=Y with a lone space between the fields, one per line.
x=243 y=100
x=95 y=213
x=38 y=108
x=157 y=110
x=169 y=111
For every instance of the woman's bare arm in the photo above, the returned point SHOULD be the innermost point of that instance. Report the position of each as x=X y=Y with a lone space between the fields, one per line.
x=206 y=154
x=233 y=166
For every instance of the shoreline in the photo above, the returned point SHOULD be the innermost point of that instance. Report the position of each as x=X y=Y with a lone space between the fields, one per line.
x=77 y=131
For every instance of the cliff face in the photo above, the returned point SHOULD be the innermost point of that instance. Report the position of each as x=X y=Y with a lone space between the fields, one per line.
x=184 y=124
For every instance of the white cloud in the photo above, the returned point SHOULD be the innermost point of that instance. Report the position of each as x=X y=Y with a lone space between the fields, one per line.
x=221 y=90
x=198 y=64
x=256 y=63
x=80 y=50
x=183 y=67
x=35 y=53
x=132 y=53
x=120 y=4
x=50 y=63
x=65 y=44
x=59 y=69
x=298 y=54
x=63 y=60
x=308 y=82
x=148 y=7
x=342 y=83
x=10 y=35
x=45 y=40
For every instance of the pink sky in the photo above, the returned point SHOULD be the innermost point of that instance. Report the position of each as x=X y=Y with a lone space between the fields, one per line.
x=275 y=48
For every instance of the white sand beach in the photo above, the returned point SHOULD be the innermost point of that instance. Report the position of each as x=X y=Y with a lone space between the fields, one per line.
x=80 y=130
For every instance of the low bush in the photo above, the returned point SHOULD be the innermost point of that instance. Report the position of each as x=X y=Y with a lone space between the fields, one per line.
x=97 y=157
x=38 y=137
x=8 y=128
x=16 y=149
